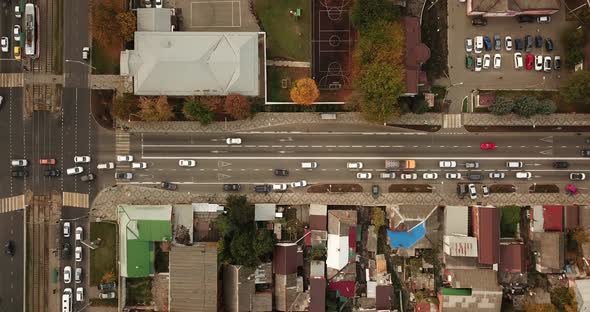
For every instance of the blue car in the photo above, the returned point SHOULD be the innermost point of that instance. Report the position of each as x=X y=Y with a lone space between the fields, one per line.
x=487 y=43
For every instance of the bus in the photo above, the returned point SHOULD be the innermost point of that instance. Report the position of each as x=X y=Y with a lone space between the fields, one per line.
x=31 y=22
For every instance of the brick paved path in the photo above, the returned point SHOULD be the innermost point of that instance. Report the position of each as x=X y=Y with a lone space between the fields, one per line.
x=513 y=120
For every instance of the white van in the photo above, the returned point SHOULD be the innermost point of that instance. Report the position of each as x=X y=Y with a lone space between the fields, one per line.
x=66 y=300
x=514 y=164
x=309 y=165
x=478 y=47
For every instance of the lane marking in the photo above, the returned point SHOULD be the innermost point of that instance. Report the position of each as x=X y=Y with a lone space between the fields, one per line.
x=361 y=157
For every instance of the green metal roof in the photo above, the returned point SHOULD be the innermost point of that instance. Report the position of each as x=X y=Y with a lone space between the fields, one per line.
x=456 y=291
x=154 y=230
x=140 y=258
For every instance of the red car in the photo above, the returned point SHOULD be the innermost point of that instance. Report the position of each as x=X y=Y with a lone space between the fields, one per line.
x=49 y=161
x=488 y=146
x=529 y=61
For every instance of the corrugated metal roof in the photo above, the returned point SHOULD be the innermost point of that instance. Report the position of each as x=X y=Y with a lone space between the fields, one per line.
x=488 y=235
x=337 y=251
x=460 y=246
x=553 y=218
x=512 y=258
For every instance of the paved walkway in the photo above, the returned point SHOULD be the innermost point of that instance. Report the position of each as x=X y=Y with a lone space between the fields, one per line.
x=112 y=82
x=104 y=206
x=475 y=119
x=40 y=78
x=288 y=63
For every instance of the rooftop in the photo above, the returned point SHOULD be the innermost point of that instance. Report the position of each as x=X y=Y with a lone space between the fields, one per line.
x=486 y=294
x=456 y=220
x=153 y=19
x=417 y=53
x=550 y=249
x=407 y=239
x=264 y=212
x=512 y=258
x=487 y=230
x=553 y=218
x=285 y=258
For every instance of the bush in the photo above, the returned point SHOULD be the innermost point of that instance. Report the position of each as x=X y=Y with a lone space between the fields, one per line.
x=419 y=106
x=155 y=108
x=546 y=107
x=237 y=106
x=502 y=106
x=195 y=110
x=125 y=106
x=366 y=12
x=577 y=88
x=572 y=40
x=526 y=106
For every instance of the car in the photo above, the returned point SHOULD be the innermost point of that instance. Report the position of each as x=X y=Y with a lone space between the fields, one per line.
x=538 y=41
x=158 y=3
x=47 y=161
x=81 y=159
x=85 y=53
x=124 y=158
x=487 y=59
x=497 y=42
x=557 y=62
x=508 y=43
x=560 y=164
x=487 y=43
x=78 y=275
x=488 y=146
x=79 y=294
x=547 y=64
x=354 y=165
x=16 y=53
x=123 y=175
x=478 y=63
x=265 y=188
x=17 y=13
x=309 y=165
x=517 y=60
x=447 y=164
x=453 y=175
x=479 y=21
x=525 y=18
x=409 y=176
x=528 y=43
x=148 y=3
x=485 y=191
x=472 y=191
x=523 y=175
x=279 y=187
x=538 y=62
x=387 y=175
x=430 y=176
x=16 y=32
x=548 y=44
x=514 y=164
x=587 y=140
x=281 y=172
x=139 y=165
x=187 y=163
x=9 y=248
x=233 y=141
x=52 y=173
x=497 y=175
x=20 y=173
x=19 y=162
x=168 y=186
x=469 y=62
x=231 y=187
x=67 y=274
x=66 y=229
x=107 y=165
x=478 y=44
x=364 y=175
x=79 y=234
x=472 y=165
x=4 y=43
x=543 y=19
x=78 y=254
x=87 y=177
x=74 y=170
x=577 y=176
x=107 y=286
x=518 y=44
x=585 y=153
x=300 y=183
x=474 y=176
x=107 y=295
x=67 y=250
x=468 y=45
x=529 y=61
x=375 y=190
x=497 y=61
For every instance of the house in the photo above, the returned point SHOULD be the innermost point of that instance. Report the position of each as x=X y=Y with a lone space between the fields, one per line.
x=553 y=218
x=265 y=212
x=506 y=8
x=456 y=220
x=341 y=244
x=239 y=288
x=583 y=294
x=318 y=219
x=384 y=297
x=139 y=227
x=486 y=228
x=471 y=290
x=572 y=217
x=417 y=53
x=407 y=239
x=286 y=259
x=460 y=246
x=512 y=258
x=549 y=252
x=317 y=286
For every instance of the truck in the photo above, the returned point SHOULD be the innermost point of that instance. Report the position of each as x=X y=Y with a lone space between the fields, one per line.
x=400 y=164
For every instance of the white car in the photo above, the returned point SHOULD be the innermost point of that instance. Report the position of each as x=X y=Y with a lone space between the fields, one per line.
x=74 y=170
x=539 y=63
x=187 y=163
x=430 y=176
x=447 y=164
x=487 y=59
x=354 y=165
x=79 y=294
x=497 y=61
x=16 y=31
x=468 y=45
x=67 y=228
x=79 y=233
x=78 y=254
x=139 y=165
x=485 y=191
x=497 y=175
x=158 y=3
x=124 y=158
x=547 y=64
x=107 y=295
x=148 y=3
x=518 y=60
x=508 y=43
x=478 y=63
x=577 y=176
x=523 y=175
x=19 y=162
x=301 y=183
x=107 y=165
x=279 y=187
x=409 y=176
x=233 y=141
x=5 y=44
x=453 y=175
x=68 y=274
x=78 y=275
x=472 y=191
x=364 y=175
x=478 y=46
x=82 y=159
x=387 y=175
x=85 y=52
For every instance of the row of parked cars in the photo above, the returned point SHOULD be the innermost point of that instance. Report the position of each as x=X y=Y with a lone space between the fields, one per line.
x=66 y=251
x=479 y=44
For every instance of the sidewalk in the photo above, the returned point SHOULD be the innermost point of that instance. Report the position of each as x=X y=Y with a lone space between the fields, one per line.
x=475 y=119
x=105 y=204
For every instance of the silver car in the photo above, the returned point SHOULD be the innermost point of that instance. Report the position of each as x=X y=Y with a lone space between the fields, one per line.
x=409 y=176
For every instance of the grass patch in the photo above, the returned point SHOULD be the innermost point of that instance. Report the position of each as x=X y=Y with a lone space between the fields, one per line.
x=103 y=63
x=103 y=259
x=139 y=291
x=276 y=92
x=287 y=37
x=509 y=221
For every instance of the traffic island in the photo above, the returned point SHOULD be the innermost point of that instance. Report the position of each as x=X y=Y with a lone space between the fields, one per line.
x=502 y=188
x=335 y=188
x=410 y=188
x=543 y=188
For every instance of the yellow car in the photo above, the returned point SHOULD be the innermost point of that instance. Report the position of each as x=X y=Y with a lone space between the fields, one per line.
x=17 y=53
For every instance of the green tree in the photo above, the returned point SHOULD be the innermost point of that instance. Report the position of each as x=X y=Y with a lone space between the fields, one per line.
x=419 y=106
x=194 y=110
x=572 y=40
x=241 y=212
x=502 y=106
x=124 y=106
x=366 y=12
x=378 y=219
x=263 y=245
x=526 y=106
x=380 y=85
x=546 y=107
x=577 y=88
x=241 y=248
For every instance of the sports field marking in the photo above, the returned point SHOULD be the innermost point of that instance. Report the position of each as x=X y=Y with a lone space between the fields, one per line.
x=220 y=8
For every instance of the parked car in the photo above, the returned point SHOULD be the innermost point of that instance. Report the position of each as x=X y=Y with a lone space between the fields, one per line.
x=560 y=164
x=66 y=229
x=557 y=62
x=354 y=165
x=16 y=53
x=468 y=45
x=538 y=62
x=525 y=18
x=78 y=276
x=47 y=161
x=364 y=175
x=547 y=66
x=67 y=274
x=478 y=44
x=81 y=159
x=577 y=176
x=233 y=141
x=487 y=59
x=79 y=294
x=528 y=43
x=158 y=3
x=472 y=191
x=168 y=186
x=530 y=61
x=487 y=43
x=9 y=248
x=5 y=44
x=548 y=44
x=478 y=63
x=16 y=32
x=107 y=295
x=281 y=172
x=20 y=173
x=387 y=175
x=124 y=158
x=300 y=183
x=85 y=53
x=518 y=44
x=66 y=250
x=469 y=62
x=231 y=187
x=538 y=41
x=52 y=173
x=187 y=163
x=523 y=175
x=475 y=176
x=79 y=234
x=497 y=42
x=585 y=153
x=517 y=60
x=277 y=187
x=375 y=190
x=447 y=164
x=78 y=254
x=453 y=175
x=112 y=286
x=479 y=21
x=508 y=43
x=543 y=19
x=265 y=188
x=123 y=175
x=88 y=177
x=472 y=165
x=430 y=176
x=497 y=61
x=485 y=191
x=409 y=176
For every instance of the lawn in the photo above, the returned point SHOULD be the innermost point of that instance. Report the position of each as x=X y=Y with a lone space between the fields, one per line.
x=103 y=259
x=276 y=92
x=139 y=291
x=562 y=106
x=288 y=37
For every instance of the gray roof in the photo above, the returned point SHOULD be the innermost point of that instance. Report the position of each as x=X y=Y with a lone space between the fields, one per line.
x=264 y=212
x=193 y=63
x=153 y=19
x=456 y=220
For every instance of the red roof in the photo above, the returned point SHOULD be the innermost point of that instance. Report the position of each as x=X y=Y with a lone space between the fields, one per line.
x=422 y=307
x=553 y=218
x=488 y=235
x=317 y=292
x=352 y=238
x=512 y=258
x=285 y=258
x=416 y=53
x=383 y=297
x=345 y=288
x=318 y=222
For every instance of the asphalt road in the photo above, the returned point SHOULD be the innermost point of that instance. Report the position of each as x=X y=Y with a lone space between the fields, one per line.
x=7 y=21
x=12 y=286
x=12 y=127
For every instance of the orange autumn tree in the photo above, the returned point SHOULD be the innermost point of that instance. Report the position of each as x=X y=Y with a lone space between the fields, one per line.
x=304 y=91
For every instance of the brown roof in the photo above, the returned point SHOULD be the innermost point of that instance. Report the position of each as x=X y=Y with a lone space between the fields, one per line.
x=383 y=297
x=318 y=222
x=512 y=258
x=487 y=231
x=262 y=302
x=317 y=291
x=550 y=248
x=285 y=258
x=416 y=53
x=339 y=221
x=285 y=291
x=572 y=217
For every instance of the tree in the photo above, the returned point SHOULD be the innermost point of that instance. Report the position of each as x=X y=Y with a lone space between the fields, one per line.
x=580 y=236
x=367 y=12
x=546 y=107
x=526 y=106
x=263 y=244
x=242 y=250
x=237 y=106
x=240 y=210
x=103 y=13
x=577 y=88
x=380 y=85
x=155 y=108
x=419 y=106
x=304 y=91
x=572 y=39
x=318 y=252
x=124 y=106
x=562 y=298
x=502 y=106
x=127 y=24
x=378 y=219
x=194 y=110
x=182 y=235
x=216 y=104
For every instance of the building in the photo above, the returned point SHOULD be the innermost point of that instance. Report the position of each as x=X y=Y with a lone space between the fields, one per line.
x=341 y=244
x=139 y=227
x=417 y=53
x=456 y=220
x=264 y=212
x=506 y=8
x=583 y=294
x=460 y=246
x=549 y=252
x=317 y=286
x=512 y=258
x=471 y=290
x=486 y=228
x=286 y=259
x=553 y=218
x=318 y=219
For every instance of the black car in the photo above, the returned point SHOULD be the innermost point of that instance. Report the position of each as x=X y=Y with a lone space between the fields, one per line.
x=497 y=43
x=9 y=248
x=557 y=63
x=87 y=178
x=281 y=172
x=528 y=43
x=265 y=188
x=375 y=190
x=19 y=173
x=585 y=153
x=168 y=186
x=67 y=250
x=475 y=176
x=587 y=140
x=231 y=187
x=538 y=41
x=548 y=44
x=525 y=19
x=52 y=173
x=560 y=164
x=518 y=44
x=107 y=286
x=479 y=21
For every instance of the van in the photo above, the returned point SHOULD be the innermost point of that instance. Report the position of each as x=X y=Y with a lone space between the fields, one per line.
x=309 y=165
x=66 y=300
x=514 y=164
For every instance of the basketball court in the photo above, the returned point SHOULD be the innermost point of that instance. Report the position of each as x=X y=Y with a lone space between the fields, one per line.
x=221 y=13
x=332 y=44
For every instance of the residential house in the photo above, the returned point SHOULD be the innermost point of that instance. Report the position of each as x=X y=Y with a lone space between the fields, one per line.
x=341 y=240
x=318 y=217
x=549 y=252
x=317 y=286
x=486 y=228
x=471 y=290
x=553 y=218
x=286 y=259
x=572 y=217
x=417 y=53
x=507 y=8
x=512 y=258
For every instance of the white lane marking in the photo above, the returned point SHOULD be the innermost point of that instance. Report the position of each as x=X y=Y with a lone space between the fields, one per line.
x=357 y=146
x=361 y=157
x=316 y=146
x=371 y=146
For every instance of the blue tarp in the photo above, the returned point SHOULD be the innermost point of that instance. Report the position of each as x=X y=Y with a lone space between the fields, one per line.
x=407 y=239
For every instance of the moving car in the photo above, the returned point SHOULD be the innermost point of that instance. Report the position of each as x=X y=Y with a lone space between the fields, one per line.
x=585 y=153
x=488 y=146
x=485 y=191
x=523 y=175
x=79 y=233
x=16 y=53
x=88 y=177
x=19 y=162
x=514 y=164
x=472 y=165
x=577 y=176
x=107 y=165
x=124 y=158
x=453 y=175
x=548 y=44
x=81 y=159
x=387 y=175
x=168 y=186
x=487 y=59
x=281 y=172
x=517 y=60
x=16 y=31
x=557 y=62
x=478 y=63
x=47 y=161
x=123 y=175
x=475 y=176
x=187 y=163
x=279 y=187
x=538 y=41
x=52 y=173
x=67 y=274
x=354 y=165
x=139 y=165
x=525 y=18
x=301 y=183
x=66 y=229
x=447 y=164
x=233 y=141
x=231 y=187
x=530 y=61
x=78 y=254
x=472 y=191
x=497 y=61
x=479 y=21
x=560 y=164
x=538 y=62
x=497 y=42
x=468 y=45
x=430 y=176
x=409 y=176
x=364 y=175
x=508 y=43
x=547 y=64
x=4 y=43
x=309 y=165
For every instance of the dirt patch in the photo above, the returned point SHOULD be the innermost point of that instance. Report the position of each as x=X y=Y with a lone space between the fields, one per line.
x=527 y=128
x=543 y=188
x=335 y=188
x=101 y=105
x=502 y=188
x=410 y=188
x=426 y=128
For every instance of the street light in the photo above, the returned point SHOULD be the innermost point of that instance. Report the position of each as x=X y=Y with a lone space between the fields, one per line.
x=74 y=61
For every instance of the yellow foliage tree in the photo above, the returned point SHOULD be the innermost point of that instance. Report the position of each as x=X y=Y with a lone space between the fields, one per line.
x=155 y=108
x=305 y=91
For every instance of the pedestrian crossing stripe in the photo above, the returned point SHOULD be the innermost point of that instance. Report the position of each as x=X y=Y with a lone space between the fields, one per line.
x=75 y=200
x=12 y=80
x=452 y=121
x=12 y=203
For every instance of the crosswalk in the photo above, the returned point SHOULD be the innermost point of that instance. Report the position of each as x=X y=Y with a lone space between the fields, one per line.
x=11 y=80
x=452 y=121
x=122 y=145
x=12 y=203
x=75 y=200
